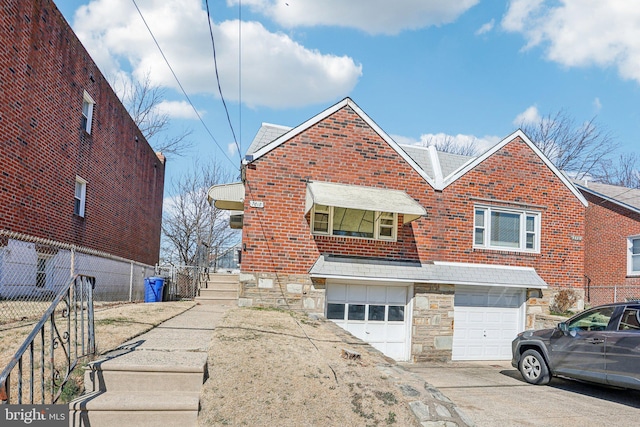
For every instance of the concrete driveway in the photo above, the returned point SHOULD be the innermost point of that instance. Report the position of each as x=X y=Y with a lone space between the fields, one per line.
x=494 y=394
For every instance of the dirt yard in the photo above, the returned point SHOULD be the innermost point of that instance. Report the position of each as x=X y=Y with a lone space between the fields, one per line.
x=269 y=367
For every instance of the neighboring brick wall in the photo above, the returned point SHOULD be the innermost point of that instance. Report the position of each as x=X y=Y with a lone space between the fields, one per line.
x=605 y=264
x=44 y=71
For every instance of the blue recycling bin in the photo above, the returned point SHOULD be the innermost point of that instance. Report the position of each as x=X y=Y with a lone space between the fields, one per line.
x=153 y=289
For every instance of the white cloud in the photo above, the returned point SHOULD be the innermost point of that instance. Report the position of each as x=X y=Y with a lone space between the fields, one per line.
x=178 y=110
x=597 y=104
x=581 y=33
x=276 y=71
x=231 y=149
x=371 y=16
x=528 y=116
x=486 y=28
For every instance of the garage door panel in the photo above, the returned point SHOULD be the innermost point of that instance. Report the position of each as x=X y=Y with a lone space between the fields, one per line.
x=337 y=293
x=375 y=314
x=356 y=293
x=485 y=326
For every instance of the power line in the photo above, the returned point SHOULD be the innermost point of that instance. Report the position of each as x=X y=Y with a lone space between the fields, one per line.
x=184 y=92
x=215 y=64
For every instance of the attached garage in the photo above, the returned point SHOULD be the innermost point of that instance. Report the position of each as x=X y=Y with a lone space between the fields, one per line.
x=486 y=320
x=376 y=314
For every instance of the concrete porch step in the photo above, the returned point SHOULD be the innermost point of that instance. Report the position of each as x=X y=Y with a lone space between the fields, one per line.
x=223 y=286
x=222 y=278
x=216 y=301
x=151 y=409
x=218 y=293
x=141 y=371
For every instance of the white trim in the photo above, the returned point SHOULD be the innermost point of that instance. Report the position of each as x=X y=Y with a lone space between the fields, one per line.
x=630 y=271
x=519 y=133
x=609 y=198
x=523 y=213
x=86 y=98
x=328 y=112
x=83 y=196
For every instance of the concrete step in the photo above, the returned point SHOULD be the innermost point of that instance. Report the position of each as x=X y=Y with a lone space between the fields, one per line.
x=217 y=301
x=222 y=278
x=109 y=409
x=222 y=286
x=218 y=293
x=147 y=370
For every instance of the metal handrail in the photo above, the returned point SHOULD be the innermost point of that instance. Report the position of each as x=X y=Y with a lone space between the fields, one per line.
x=74 y=336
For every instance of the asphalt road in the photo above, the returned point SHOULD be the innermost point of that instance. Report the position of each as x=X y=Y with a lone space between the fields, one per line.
x=494 y=394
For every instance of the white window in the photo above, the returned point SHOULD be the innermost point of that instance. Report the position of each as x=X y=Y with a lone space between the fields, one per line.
x=633 y=259
x=80 y=195
x=335 y=221
x=506 y=229
x=87 y=111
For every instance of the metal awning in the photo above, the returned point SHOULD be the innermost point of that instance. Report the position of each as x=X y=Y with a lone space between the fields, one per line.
x=227 y=196
x=451 y=273
x=365 y=198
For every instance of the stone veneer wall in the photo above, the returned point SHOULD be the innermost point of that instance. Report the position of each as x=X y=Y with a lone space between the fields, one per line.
x=432 y=323
x=289 y=291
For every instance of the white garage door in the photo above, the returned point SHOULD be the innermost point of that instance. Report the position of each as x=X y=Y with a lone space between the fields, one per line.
x=375 y=314
x=486 y=320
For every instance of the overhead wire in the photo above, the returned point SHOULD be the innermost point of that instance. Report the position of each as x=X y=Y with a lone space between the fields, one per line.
x=184 y=92
x=215 y=64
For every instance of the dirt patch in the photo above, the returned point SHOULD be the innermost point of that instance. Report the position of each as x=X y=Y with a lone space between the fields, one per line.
x=270 y=367
x=113 y=325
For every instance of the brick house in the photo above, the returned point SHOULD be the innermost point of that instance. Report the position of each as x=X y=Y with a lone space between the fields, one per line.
x=425 y=255
x=75 y=167
x=612 y=242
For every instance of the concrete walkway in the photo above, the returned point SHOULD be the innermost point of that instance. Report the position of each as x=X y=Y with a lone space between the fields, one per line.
x=153 y=379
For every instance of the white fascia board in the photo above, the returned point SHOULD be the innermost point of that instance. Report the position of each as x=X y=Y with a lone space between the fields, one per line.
x=363 y=278
x=608 y=198
x=519 y=133
x=326 y=113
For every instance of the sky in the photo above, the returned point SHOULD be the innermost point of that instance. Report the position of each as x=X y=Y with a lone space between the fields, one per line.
x=421 y=69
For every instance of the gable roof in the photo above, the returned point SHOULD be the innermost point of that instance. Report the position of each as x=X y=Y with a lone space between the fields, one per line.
x=519 y=133
x=347 y=102
x=628 y=198
x=438 y=168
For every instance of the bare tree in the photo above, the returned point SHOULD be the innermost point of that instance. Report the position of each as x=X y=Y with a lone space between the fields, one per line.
x=142 y=99
x=625 y=173
x=190 y=223
x=576 y=149
x=448 y=144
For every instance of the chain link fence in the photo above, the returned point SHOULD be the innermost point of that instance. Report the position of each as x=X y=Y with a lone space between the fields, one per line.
x=596 y=295
x=182 y=281
x=34 y=270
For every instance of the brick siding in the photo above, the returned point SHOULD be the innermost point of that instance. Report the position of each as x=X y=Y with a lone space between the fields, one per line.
x=44 y=71
x=608 y=227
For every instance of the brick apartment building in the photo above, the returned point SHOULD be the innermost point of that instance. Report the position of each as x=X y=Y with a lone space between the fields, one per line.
x=426 y=255
x=612 y=243
x=75 y=167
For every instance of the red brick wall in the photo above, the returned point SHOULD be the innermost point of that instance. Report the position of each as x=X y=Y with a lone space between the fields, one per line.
x=44 y=71
x=514 y=177
x=605 y=263
x=342 y=148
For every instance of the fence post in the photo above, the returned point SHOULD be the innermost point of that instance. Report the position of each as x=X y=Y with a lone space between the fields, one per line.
x=131 y=283
x=615 y=293
x=73 y=262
